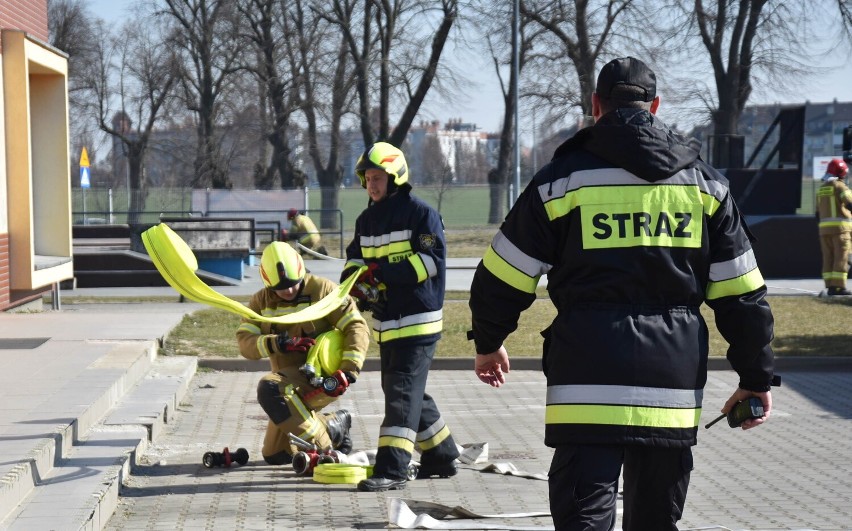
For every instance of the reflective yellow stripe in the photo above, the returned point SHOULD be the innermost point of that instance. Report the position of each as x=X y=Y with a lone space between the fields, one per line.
x=408 y=331
x=735 y=286
x=396 y=442
x=561 y=206
x=649 y=417
x=434 y=440
x=419 y=267
x=711 y=204
x=354 y=356
x=508 y=273
x=838 y=223
x=386 y=250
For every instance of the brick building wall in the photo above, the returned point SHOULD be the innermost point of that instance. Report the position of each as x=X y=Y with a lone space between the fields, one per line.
x=4 y=272
x=31 y=17
x=27 y=15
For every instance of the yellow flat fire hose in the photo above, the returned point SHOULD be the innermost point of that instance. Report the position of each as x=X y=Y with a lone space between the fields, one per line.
x=343 y=473
x=175 y=261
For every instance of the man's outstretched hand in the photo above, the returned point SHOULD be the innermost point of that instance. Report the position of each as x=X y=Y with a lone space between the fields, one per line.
x=492 y=368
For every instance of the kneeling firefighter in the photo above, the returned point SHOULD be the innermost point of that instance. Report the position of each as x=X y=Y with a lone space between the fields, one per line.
x=292 y=394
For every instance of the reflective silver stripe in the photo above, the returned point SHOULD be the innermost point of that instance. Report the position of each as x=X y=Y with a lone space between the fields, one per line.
x=620 y=177
x=283 y=310
x=432 y=430
x=737 y=267
x=714 y=188
x=262 y=346
x=517 y=258
x=409 y=320
x=429 y=263
x=397 y=431
x=828 y=220
x=386 y=239
x=624 y=395
x=249 y=327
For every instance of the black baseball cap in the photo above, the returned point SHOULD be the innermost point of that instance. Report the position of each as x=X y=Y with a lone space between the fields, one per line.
x=627 y=72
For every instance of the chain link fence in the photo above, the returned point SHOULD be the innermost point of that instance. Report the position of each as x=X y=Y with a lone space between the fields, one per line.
x=460 y=206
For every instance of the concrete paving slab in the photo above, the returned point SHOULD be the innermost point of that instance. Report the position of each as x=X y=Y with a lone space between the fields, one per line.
x=791 y=473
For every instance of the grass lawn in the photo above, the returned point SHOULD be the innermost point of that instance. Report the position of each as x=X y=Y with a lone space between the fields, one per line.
x=804 y=326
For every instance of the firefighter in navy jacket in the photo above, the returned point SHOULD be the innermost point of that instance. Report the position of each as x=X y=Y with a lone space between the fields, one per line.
x=634 y=233
x=401 y=239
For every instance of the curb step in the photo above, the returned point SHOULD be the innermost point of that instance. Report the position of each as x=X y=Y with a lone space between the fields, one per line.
x=73 y=405
x=81 y=491
x=156 y=397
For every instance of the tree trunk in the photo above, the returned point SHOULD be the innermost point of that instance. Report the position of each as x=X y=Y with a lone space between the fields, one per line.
x=137 y=184
x=497 y=194
x=329 y=219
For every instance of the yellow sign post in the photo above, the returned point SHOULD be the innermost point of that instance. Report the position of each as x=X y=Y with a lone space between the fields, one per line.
x=85 y=181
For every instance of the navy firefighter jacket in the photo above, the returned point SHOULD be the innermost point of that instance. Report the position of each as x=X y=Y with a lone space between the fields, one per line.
x=406 y=237
x=634 y=232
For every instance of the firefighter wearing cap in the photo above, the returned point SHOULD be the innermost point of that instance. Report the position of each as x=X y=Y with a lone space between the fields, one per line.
x=303 y=230
x=634 y=232
x=834 y=208
x=286 y=394
x=401 y=239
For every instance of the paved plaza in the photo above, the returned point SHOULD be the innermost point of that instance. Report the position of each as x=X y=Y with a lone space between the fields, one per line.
x=791 y=473
x=99 y=432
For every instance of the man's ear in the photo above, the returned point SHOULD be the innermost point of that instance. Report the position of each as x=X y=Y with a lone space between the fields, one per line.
x=655 y=104
x=596 y=106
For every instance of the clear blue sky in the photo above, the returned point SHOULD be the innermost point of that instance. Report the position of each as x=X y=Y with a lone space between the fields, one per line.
x=486 y=109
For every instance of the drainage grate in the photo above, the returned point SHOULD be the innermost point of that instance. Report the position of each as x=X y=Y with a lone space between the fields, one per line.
x=21 y=343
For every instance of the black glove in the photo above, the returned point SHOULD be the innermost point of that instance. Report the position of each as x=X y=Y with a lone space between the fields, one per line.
x=347 y=273
x=286 y=343
x=363 y=305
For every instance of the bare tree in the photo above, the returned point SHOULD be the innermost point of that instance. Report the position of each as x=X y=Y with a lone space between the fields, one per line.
x=845 y=9
x=325 y=97
x=435 y=170
x=71 y=30
x=496 y=38
x=387 y=51
x=581 y=31
x=747 y=40
x=268 y=21
x=208 y=31
x=130 y=82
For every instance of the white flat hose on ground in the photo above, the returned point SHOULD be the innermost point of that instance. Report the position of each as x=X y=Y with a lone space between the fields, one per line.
x=415 y=514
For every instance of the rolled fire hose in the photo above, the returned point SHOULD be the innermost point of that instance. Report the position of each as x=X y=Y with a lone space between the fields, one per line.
x=176 y=262
x=341 y=473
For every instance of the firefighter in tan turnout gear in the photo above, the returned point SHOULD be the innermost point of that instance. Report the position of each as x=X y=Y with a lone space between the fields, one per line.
x=304 y=230
x=834 y=202
x=286 y=394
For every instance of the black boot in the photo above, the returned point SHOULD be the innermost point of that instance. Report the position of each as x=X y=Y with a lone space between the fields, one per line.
x=376 y=484
x=442 y=470
x=838 y=291
x=338 y=425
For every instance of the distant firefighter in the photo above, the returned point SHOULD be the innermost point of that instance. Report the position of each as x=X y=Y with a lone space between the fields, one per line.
x=304 y=231
x=834 y=208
